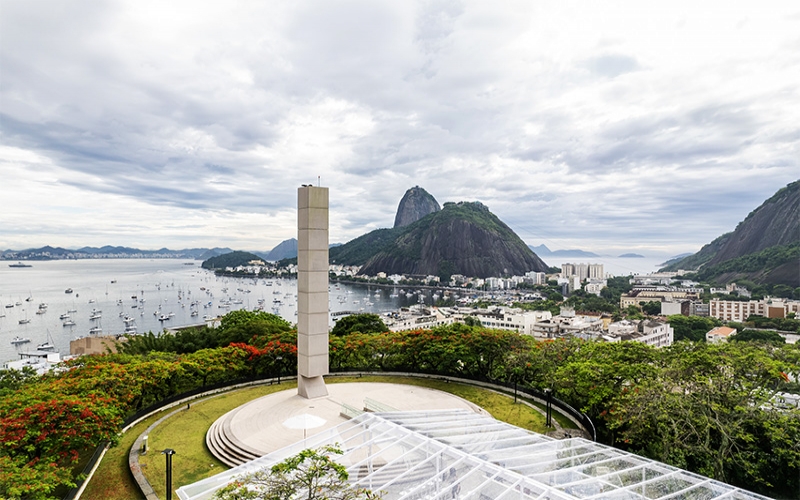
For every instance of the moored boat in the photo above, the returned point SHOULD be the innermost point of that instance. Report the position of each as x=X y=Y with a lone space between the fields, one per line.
x=19 y=340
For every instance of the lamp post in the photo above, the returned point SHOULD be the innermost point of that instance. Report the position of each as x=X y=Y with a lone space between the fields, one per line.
x=169 y=452
x=549 y=393
x=277 y=362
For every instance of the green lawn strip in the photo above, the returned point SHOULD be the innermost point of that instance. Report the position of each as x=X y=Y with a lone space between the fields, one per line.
x=185 y=433
x=113 y=479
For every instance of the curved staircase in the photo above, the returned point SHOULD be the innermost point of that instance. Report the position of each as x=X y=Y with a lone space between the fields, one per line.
x=225 y=446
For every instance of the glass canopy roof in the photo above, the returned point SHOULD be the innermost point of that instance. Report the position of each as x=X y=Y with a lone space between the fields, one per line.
x=446 y=454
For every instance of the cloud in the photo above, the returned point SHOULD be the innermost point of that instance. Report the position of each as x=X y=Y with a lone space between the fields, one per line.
x=611 y=65
x=598 y=127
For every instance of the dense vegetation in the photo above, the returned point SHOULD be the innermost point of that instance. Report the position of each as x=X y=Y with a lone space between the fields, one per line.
x=364 y=323
x=698 y=406
x=232 y=259
x=358 y=251
x=754 y=266
x=764 y=247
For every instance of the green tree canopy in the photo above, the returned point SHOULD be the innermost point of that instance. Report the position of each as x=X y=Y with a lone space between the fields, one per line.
x=311 y=474
x=652 y=308
x=361 y=323
x=691 y=327
x=758 y=336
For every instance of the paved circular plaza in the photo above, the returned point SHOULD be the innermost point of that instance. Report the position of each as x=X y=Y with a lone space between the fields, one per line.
x=271 y=422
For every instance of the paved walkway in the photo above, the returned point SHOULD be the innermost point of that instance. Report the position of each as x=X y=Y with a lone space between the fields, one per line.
x=271 y=422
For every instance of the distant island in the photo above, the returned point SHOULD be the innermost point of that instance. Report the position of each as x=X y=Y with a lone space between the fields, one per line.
x=631 y=256
x=543 y=251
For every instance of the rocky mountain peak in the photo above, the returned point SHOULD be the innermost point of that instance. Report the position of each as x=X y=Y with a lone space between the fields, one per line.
x=416 y=204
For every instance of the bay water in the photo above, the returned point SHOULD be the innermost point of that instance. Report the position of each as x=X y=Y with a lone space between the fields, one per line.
x=153 y=295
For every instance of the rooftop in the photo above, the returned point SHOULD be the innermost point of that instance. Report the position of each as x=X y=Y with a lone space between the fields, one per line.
x=448 y=453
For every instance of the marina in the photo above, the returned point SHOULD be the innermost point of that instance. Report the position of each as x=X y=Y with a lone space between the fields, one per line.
x=117 y=296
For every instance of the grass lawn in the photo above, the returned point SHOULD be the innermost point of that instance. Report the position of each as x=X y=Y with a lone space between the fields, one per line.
x=113 y=478
x=185 y=432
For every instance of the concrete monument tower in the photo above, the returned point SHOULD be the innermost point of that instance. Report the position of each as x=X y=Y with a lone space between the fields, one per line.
x=312 y=291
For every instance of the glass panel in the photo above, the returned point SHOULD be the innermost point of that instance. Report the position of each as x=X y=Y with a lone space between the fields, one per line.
x=666 y=486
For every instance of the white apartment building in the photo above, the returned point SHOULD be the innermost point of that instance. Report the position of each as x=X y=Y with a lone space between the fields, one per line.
x=511 y=319
x=534 y=278
x=494 y=283
x=735 y=310
x=501 y=318
x=417 y=317
x=568 y=326
x=654 y=333
x=595 y=286
x=582 y=271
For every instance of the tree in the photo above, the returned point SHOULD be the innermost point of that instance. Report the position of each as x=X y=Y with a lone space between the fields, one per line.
x=311 y=474
x=472 y=321
x=241 y=317
x=758 y=336
x=652 y=308
x=361 y=323
x=691 y=327
x=705 y=409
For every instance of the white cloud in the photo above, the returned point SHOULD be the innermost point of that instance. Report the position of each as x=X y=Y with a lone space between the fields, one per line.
x=581 y=125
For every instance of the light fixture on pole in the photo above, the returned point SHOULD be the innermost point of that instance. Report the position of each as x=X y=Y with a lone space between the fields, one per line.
x=169 y=452
x=549 y=414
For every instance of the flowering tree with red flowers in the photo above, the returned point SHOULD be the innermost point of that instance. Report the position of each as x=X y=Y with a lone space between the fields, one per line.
x=42 y=436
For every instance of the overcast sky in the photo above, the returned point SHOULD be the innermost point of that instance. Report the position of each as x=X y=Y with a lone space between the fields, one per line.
x=648 y=127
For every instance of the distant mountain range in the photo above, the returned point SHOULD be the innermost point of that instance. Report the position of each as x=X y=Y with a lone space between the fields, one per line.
x=286 y=249
x=51 y=253
x=764 y=247
x=543 y=251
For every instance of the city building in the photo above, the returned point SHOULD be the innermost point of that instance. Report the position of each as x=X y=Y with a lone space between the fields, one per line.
x=643 y=294
x=582 y=271
x=650 y=332
x=719 y=334
x=503 y=318
x=735 y=310
x=419 y=317
x=595 y=286
x=698 y=308
x=679 y=307
x=534 y=278
x=582 y=326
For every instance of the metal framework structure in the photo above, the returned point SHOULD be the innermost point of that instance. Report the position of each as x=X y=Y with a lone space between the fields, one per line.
x=449 y=454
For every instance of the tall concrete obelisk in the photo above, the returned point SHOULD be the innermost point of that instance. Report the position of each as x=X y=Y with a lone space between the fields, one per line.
x=312 y=291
